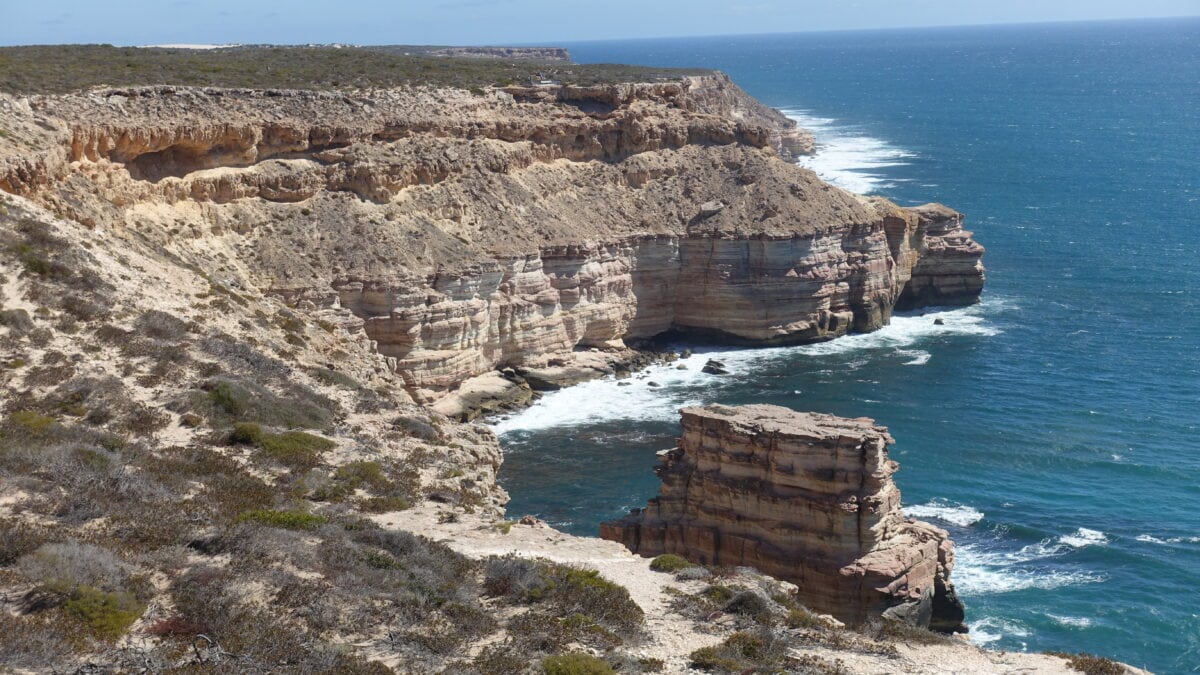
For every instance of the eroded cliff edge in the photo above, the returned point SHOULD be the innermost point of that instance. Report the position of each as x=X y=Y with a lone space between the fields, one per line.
x=803 y=497
x=465 y=232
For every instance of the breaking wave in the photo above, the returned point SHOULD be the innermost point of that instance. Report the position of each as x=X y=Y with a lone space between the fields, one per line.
x=981 y=570
x=657 y=393
x=940 y=509
x=847 y=157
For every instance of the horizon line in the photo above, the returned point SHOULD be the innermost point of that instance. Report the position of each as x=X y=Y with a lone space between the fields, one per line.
x=561 y=44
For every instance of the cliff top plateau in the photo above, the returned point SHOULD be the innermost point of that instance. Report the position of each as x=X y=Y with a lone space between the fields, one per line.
x=66 y=68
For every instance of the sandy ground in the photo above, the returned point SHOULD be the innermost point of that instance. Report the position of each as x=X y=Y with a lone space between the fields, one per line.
x=673 y=637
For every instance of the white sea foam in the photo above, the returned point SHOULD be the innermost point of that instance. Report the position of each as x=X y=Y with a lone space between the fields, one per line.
x=845 y=156
x=635 y=400
x=1072 y=621
x=1151 y=539
x=940 y=509
x=984 y=572
x=972 y=580
x=1084 y=537
x=919 y=357
x=990 y=629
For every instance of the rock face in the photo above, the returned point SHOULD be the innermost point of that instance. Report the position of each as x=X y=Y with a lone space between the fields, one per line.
x=948 y=270
x=467 y=232
x=804 y=497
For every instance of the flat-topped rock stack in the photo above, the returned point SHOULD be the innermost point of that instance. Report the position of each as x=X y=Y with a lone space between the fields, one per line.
x=804 y=497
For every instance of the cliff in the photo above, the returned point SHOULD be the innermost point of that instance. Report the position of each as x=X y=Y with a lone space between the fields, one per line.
x=468 y=232
x=803 y=497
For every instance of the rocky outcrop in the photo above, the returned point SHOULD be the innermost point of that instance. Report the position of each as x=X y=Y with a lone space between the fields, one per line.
x=718 y=95
x=948 y=269
x=804 y=497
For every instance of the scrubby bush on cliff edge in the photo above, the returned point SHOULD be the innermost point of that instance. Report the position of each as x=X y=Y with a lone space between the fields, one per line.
x=1090 y=664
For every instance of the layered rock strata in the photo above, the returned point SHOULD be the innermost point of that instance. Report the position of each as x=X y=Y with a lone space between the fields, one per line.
x=947 y=269
x=466 y=232
x=804 y=497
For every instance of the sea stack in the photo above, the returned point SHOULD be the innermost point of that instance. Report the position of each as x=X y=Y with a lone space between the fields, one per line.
x=804 y=497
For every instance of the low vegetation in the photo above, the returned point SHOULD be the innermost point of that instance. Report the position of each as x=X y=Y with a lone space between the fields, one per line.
x=65 y=68
x=183 y=492
x=670 y=563
x=575 y=663
x=1089 y=664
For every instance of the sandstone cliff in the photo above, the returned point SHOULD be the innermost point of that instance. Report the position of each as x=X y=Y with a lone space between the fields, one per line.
x=468 y=232
x=803 y=497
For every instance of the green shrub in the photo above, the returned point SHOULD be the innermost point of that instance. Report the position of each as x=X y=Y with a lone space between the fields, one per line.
x=29 y=422
x=574 y=590
x=575 y=663
x=288 y=520
x=649 y=664
x=108 y=615
x=669 y=562
x=229 y=398
x=384 y=504
x=891 y=629
x=717 y=594
x=226 y=401
x=295 y=448
x=799 y=617
x=1089 y=664
x=740 y=651
x=358 y=474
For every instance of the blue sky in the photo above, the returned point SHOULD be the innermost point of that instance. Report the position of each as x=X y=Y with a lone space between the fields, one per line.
x=133 y=22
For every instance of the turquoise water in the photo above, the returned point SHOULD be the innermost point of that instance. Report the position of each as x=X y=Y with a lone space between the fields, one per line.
x=1054 y=429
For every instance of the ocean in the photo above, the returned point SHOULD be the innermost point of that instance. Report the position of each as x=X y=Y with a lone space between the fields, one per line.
x=1053 y=429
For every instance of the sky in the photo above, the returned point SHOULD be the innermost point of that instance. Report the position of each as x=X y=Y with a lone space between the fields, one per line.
x=464 y=22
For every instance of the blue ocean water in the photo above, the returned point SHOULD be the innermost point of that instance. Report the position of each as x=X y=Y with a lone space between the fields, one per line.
x=1054 y=429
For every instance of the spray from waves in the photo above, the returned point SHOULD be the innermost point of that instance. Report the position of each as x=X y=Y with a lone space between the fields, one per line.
x=940 y=509
x=846 y=157
x=919 y=356
x=657 y=393
x=1070 y=621
x=1084 y=537
x=990 y=629
x=986 y=571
